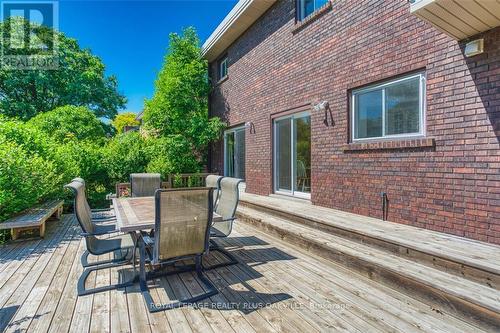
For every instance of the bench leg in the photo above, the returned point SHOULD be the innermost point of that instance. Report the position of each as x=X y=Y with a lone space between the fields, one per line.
x=42 y=230
x=14 y=233
x=59 y=213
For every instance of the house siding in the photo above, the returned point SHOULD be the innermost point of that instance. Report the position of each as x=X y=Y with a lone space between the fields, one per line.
x=448 y=183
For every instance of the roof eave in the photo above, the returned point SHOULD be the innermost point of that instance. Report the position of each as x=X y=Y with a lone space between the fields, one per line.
x=239 y=19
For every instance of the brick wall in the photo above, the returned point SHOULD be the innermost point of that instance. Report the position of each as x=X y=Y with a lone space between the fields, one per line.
x=450 y=183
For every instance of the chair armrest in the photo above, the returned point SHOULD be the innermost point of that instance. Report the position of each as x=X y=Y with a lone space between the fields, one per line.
x=103 y=219
x=101 y=210
x=225 y=220
x=110 y=196
x=148 y=241
x=86 y=234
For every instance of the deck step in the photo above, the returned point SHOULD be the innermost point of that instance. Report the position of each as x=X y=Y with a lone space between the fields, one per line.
x=474 y=260
x=445 y=292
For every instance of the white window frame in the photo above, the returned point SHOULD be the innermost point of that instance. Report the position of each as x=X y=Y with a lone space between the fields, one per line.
x=226 y=132
x=222 y=61
x=291 y=192
x=422 y=108
x=302 y=9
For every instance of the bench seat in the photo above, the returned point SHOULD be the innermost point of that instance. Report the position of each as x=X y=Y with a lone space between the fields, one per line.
x=33 y=218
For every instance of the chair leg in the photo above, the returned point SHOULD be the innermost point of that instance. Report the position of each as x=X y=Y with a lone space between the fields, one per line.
x=216 y=248
x=152 y=307
x=119 y=261
x=82 y=291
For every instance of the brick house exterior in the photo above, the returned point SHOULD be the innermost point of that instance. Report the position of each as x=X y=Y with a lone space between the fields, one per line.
x=448 y=180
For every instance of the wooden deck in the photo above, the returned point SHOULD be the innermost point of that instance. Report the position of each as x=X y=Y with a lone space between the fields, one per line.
x=275 y=288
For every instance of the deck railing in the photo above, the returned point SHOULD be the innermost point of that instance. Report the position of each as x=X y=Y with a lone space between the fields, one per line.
x=188 y=179
x=172 y=181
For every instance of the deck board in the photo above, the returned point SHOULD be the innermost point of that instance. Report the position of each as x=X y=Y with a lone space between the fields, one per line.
x=38 y=293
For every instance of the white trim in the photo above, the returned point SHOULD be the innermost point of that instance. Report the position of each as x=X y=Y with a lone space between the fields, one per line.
x=422 y=108
x=277 y=190
x=239 y=19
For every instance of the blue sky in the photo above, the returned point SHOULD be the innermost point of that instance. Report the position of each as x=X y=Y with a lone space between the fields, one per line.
x=131 y=37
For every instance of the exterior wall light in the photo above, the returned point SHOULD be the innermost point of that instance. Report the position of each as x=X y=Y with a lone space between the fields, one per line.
x=321 y=106
x=251 y=126
x=324 y=106
x=474 y=48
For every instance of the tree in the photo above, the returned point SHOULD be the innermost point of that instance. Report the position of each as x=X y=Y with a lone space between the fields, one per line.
x=80 y=80
x=70 y=122
x=179 y=107
x=124 y=119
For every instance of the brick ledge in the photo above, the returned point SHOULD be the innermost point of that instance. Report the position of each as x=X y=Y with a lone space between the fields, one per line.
x=390 y=144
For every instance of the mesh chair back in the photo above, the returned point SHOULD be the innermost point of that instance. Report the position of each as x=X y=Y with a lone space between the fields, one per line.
x=144 y=184
x=182 y=222
x=81 y=180
x=214 y=181
x=83 y=215
x=227 y=204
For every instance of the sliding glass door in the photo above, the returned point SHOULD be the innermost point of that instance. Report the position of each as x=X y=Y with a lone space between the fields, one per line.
x=234 y=153
x=292 y=155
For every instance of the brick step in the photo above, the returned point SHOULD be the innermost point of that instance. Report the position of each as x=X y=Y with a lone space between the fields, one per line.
x=462 y=257
x=448 y=293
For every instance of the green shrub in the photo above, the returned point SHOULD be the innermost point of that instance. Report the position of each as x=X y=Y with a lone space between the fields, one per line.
x=70 y=122
x=85 y=159
x=31 y=139
x=124 y=154
x=25 y=179
x=172 y=154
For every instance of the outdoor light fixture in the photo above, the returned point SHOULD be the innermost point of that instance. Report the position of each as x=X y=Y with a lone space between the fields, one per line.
x=324 y=106
x=321 y=106
x=474 y=48
x=251 y=126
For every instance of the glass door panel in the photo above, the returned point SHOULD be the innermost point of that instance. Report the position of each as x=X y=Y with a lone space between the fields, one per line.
x=302 y=154
x=283 y=155
x=239 y=154
x=292 y=155
x=234 y=153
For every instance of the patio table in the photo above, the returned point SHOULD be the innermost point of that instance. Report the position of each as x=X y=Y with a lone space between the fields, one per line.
x=138 y=213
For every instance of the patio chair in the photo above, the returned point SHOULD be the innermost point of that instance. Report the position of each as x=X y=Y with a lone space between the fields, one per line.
x=214 y=181
x=182 y=228
x=144 y=184
x=98 y=214
x=226 y=207
x=96 y=246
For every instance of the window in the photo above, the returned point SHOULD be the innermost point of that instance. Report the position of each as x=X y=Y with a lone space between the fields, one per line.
x=222 y=69
x=391 y=109
x=307 y=7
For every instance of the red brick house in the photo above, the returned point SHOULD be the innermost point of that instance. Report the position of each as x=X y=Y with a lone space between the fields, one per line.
x=341 y=101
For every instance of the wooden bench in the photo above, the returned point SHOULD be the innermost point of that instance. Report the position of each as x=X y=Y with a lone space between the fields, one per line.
x=33 y=218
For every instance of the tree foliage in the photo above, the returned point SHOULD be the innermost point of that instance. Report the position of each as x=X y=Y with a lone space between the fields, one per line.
x=124 y=119
x=179 y=107
x=80 y=80
x=70 y=122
